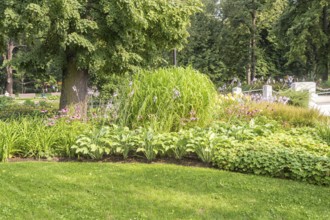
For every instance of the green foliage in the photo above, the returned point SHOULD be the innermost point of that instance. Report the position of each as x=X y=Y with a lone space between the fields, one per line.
x=303 y=32
x=282 y=162
x=38 y=138
x=5 y=101
x=167 y=100
x=9 y=137
x=203 y=49
x=29 y=102
x=123 y=141
x=53 y=97
x=297 y=98
x=93 y=144
x=150 y=144
x=324 y=132
x=203 y=143
x=241 y=108
x=176 y=144
x=17 y=111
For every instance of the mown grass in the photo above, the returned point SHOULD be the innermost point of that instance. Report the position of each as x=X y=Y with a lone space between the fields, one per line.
x=36 y=190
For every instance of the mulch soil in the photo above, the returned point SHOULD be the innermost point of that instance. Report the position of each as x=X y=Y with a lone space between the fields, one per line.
x=190 y=160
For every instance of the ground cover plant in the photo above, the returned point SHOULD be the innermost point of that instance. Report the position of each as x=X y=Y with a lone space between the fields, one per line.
x=37 y=190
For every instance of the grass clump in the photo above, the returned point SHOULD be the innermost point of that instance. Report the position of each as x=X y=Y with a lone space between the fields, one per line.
x=233 y=107
x=37 y=137
x=291 y=115
x=167 y=99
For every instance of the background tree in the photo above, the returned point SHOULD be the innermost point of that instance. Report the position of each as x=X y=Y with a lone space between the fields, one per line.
x=12 y=26
x=203 y=48
x=235 y=38
x=304 y=31
x=87 y=37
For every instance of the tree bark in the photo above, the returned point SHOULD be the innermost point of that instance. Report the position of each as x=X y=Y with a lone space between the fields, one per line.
x=248 y=74
x=9 y=69
x=326 y=56
x=74 y=93
x=253 y=43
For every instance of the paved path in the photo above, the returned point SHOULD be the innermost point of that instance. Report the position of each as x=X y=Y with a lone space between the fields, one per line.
x=324 y=108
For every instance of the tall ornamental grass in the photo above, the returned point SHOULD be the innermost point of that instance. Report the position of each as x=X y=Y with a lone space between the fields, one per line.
x=167 y=99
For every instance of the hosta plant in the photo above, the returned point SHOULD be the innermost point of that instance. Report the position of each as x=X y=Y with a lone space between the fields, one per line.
x=94 y=144
x=122 y=140
x=150 y=144
x=203 y=144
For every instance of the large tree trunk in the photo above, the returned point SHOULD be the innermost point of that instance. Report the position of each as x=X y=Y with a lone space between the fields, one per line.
x=9 y=68
x=74 y=94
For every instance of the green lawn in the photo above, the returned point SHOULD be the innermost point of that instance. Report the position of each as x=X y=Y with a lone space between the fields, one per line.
x=41 y=190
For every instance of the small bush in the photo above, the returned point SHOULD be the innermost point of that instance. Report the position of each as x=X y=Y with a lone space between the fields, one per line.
x=167 y=100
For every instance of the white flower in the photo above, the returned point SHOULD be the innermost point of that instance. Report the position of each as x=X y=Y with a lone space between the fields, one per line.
x=176 y=93
x=74 y=88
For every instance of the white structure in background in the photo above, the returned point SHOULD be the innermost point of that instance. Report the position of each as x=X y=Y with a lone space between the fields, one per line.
x=237 y=90
x=267 y=92
x=322 y=103
x=304 y=86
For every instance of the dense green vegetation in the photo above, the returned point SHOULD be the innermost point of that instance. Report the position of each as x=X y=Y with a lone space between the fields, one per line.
x=260 y=38
x=137 y=191
x=77 y=40
x=119 y=100
x=167 y=100
x=240 y=134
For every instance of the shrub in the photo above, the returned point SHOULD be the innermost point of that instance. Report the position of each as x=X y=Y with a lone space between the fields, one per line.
x=297 y=98
x=5 y=101
x=282 y=162
x=167 y=100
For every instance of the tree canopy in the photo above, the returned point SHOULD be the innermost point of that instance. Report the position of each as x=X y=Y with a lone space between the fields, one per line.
x=257 y=38
x=84 y=37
